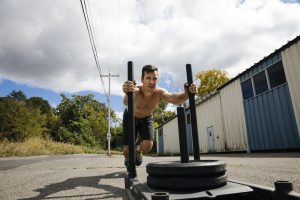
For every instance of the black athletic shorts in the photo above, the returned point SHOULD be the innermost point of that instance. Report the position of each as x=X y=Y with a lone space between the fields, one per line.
x=143 y=126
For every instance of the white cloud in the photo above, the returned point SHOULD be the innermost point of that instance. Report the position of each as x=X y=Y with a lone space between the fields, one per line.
x=171 y=107
x=45 y=43
x=119 y=114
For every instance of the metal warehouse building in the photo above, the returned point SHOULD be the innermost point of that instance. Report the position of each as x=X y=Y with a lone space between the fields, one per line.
x=257 y=110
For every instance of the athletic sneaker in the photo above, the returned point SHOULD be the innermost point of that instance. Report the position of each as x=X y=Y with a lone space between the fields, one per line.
x=126 y=163
x=138 y=158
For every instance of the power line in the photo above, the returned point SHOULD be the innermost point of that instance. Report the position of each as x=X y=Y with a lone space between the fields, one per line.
x=95 y=53
x=92 y=41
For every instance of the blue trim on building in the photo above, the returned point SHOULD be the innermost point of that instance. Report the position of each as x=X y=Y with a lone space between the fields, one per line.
x=160 y=141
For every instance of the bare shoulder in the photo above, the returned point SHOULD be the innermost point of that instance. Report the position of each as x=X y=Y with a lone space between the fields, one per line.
x=162 y=93
x=137 y=89
x=160 y=90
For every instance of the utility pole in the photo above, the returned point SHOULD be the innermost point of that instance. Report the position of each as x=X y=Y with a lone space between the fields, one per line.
x=108 y=135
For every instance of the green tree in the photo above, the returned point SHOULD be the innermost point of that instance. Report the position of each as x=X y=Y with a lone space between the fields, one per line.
x=39 y=103
x=210 y=81
x=17 y=122
x=161 y=115
x=83 y=120
x=117 y=137
x=53 y=125
x=19 y=96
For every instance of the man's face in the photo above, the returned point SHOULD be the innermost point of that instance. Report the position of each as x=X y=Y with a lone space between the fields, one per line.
x=150 y=80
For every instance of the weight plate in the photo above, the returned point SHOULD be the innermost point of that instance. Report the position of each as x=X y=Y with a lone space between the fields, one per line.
x=192 y=168
x=187 y=183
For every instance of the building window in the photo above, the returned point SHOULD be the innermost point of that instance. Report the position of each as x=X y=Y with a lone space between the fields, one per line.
x=247 y=89
x=276 y=75
x=260 y=83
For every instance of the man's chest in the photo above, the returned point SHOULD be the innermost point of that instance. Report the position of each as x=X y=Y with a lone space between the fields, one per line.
x=146 y=103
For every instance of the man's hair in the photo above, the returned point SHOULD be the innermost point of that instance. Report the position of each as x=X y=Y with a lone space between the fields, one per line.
x=147 y=69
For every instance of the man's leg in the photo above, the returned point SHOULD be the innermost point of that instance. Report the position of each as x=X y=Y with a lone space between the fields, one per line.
x=126 y=152
x=126 y=156
x=145 y=146
x=146 y=133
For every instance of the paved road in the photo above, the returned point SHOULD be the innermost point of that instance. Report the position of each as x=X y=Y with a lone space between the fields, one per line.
x=101 y=177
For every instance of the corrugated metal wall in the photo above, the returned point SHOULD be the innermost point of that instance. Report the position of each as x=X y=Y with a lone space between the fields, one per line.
x=270 y=120
x=171 y=137
x=291 y=65
x=234 y=117
x=209 y=114
x=222 y=114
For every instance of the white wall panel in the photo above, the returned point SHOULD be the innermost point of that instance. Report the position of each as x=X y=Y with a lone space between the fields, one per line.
x=209 y=115
x=291 y=65
x=171 y=137
x=233 y=117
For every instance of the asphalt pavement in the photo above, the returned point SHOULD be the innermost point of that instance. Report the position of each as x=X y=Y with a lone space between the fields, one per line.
x=92 y=176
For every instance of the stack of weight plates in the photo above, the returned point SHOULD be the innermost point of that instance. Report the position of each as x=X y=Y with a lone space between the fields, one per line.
x=194 y=175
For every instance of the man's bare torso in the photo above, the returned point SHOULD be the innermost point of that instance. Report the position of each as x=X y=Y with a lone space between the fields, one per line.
x=145 y=104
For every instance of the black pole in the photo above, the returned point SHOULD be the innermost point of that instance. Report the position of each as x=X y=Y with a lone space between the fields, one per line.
x=184 y=155
x=131 y=126
x=193 y=114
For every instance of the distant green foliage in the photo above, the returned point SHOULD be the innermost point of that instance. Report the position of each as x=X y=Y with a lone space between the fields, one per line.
x=117 y=137
x=39 y=103
x=18 y=96
x=82 y=121
x=161 y=115
x=18 y=122
x=79 y=120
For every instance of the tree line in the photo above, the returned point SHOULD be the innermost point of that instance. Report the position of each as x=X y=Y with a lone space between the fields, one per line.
x=79 y=120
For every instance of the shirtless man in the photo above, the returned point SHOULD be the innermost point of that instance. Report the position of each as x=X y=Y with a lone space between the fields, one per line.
x=147 y=97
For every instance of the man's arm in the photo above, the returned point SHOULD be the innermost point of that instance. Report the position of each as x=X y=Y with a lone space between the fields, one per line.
x=125 y=100
x=174 y=98
x=178 y=98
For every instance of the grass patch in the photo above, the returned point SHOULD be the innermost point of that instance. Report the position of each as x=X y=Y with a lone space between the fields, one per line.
x=38 y=146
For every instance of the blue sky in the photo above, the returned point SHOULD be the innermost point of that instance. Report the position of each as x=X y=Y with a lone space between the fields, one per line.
x=54 y=98
x=45 y=48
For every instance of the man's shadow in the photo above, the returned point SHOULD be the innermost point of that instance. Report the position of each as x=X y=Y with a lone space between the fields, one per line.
x=90 y=181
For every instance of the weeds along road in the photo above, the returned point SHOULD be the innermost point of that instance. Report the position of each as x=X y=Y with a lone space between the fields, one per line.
x=87 y=176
